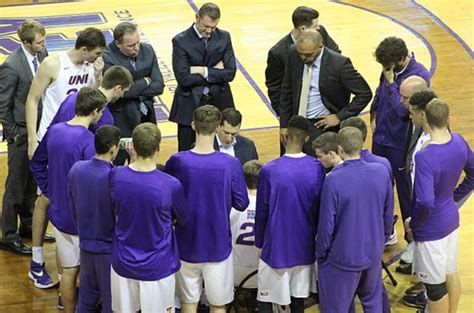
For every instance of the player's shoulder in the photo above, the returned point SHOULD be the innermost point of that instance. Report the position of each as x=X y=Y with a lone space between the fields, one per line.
x=50 y=65
x=178 y=156
x=80 y=165
x=458 y=138
x=270 y=166
x=170 y=181
x=58 y=127
x=53 y=59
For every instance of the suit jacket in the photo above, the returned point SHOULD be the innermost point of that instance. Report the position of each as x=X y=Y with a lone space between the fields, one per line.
x=412 y=139
x=338 y=79
x=189 y=50
x=126 y=110
x=244 y=149
x=15 y=82
x=276 y=65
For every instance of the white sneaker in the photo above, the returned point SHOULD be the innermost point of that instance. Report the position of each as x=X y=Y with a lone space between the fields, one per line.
x=393 y=239
x=407 y=254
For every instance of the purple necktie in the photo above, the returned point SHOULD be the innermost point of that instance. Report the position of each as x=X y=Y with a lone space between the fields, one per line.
x=205 y=41
x=35 y=64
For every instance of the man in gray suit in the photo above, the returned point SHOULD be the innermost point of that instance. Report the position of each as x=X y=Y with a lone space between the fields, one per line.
x=136 y=105
x=16 y=74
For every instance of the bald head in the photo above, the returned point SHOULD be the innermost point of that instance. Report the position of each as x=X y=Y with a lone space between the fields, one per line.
x=411 y=85
x=309 y=45
x=310 y=36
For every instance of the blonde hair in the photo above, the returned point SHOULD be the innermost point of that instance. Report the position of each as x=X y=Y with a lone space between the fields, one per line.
x=28 y=30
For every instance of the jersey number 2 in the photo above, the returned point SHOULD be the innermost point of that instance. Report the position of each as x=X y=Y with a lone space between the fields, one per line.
x=246 y=238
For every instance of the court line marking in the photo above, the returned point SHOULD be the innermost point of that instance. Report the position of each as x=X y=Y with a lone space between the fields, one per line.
x=36 y=2
x=246 y=74
x=446 y=28
x=265 y=100
x=411 y=30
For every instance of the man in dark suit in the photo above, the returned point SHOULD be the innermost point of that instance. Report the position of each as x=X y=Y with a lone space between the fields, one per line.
x=318 y=84
x=16 y=74
x=229 y=141
x=303 y=18
x=203 y=64
x=136 y=106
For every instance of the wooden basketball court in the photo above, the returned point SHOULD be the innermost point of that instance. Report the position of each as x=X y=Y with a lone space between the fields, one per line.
x=440 y=33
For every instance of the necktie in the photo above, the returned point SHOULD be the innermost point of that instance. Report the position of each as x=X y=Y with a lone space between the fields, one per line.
x=205 y=41
x=307 y=73
x=143 y=108
x=35 y=64
x=133 y=62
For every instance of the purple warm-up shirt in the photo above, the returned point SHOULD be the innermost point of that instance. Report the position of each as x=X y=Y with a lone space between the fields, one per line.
x=213 y=184
x=67 y=110
x=90 y=204
x=65 y=145
x=356 y=215
x=438 y=168
x=144 y=245
x=372 y=158
x=392 y=116
x=288 y=196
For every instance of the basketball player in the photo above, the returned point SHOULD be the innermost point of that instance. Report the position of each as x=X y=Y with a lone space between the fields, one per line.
x=67 y=143
x=145 y=254
x=58 y=75
x=93 y=216
x=325 y=149
x=288 y=196
x=435 y=216
x=364 y=210
x=416 y=295
x=213 y=183
x=117 y=80
x=365 y=154
x=244 y=253
x=368 y=157
x=61 y=74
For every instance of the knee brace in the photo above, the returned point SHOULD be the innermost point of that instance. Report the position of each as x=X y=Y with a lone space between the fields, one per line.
x=297 y=305
x=436 y=292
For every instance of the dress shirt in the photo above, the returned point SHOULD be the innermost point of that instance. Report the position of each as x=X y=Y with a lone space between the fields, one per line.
x=227 y=149
x=30 y=58
x=315 y=105
x=200 y=37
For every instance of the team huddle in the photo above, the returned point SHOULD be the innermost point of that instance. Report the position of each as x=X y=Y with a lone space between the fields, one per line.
x=156 y=238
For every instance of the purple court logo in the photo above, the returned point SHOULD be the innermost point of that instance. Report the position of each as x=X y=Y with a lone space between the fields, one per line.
x=57 y=41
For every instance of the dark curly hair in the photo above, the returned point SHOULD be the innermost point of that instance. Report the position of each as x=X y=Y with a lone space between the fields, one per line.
x=391 y=51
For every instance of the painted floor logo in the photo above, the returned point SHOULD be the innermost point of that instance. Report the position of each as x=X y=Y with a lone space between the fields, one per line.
x=57 y=40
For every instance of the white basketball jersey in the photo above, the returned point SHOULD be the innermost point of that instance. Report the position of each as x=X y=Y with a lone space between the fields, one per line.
x=70 y=79
x=242 y=225
x=419 y=144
